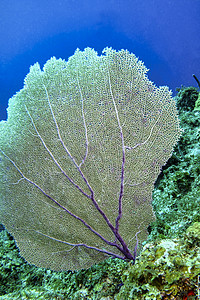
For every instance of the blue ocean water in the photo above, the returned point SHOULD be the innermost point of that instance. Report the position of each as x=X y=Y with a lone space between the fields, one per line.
x=163 y=34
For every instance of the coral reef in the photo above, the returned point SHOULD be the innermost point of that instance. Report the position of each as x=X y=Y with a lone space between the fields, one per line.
x=167 y=269
x=176 y=197
x=197 y=103
x=168 y=266
x=186 y=98
x=19 y=280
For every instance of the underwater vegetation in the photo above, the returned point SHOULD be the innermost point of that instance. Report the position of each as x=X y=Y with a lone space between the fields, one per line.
x=165 y=269
x=84 y=142
x=169 y=264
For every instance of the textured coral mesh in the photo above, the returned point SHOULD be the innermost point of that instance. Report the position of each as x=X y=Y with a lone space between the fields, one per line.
x=64 y=140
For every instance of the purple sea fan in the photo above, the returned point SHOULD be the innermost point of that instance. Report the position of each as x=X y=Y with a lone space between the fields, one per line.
x=82 y=147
